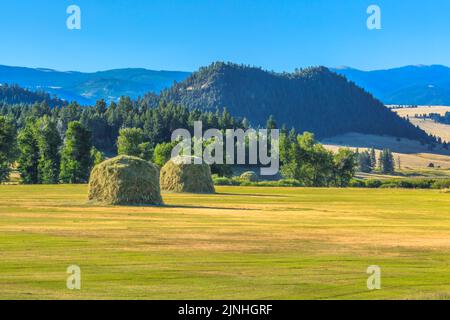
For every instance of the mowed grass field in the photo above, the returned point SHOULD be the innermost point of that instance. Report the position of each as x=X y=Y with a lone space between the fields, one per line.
x=242 y=243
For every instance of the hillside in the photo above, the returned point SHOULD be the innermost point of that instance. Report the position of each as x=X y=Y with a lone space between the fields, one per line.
x=411 y=85
x=412 y=154
x=86 y=88
x=14 y=94
x=313 y=99
x=415 y=115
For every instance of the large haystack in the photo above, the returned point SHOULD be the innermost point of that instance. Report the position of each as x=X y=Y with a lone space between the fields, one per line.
x=180 y=174
x=125 y=180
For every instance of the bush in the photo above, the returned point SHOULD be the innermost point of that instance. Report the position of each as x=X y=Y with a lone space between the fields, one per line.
x=389 y=186
x=373 y=183
x=441 y=184
x=223 y=181
x=357 y=183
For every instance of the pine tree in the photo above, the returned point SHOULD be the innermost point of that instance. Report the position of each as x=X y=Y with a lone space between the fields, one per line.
x=364 y=162
x=28 y=161
x=7 y=147
x=49 y=141
x=76 y=161
x=387 y=164
x=271 y=124
x=373 y=159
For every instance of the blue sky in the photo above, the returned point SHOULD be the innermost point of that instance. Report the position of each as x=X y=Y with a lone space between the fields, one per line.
x=186 y=34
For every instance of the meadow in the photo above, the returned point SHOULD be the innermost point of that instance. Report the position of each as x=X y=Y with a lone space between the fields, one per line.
x=242 y=243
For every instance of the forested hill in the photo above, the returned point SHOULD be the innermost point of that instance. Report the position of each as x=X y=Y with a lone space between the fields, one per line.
x=312 y=99
x=13 y=94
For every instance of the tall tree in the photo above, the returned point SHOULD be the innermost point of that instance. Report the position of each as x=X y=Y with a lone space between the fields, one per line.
x=7 y=147
x=28 y=160
x=387 y=164
x=76 y=161
x=364 y=162
x=373 y=158
x=344 y=167
x=49 y=142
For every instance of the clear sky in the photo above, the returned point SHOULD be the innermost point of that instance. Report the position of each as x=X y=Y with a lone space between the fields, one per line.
x=183 y=35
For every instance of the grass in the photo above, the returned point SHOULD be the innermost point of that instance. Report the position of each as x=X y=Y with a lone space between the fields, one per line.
x=243 y=243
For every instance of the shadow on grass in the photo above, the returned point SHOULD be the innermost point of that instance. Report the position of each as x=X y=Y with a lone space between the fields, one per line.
x=174 y=206
x=253 y=195
x=163 y=206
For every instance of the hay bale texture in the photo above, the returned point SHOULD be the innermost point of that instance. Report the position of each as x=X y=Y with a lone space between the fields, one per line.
x=180 y=174
x=249 y=176
x=125 y=180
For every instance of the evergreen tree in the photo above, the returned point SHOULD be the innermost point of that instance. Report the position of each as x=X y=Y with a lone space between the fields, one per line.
x=7 y=147
x=76 y=161
x=373 y=159
x=271 y=123
x=28 y=161
x=48 y=141
x=100 y=106
x=387 y=165
x=364 y=162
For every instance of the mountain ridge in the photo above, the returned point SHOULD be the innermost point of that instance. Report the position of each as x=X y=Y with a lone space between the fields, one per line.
x=88 y=87
x=312 y=99
x=407 y=85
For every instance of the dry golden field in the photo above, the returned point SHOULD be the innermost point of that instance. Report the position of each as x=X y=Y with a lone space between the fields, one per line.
x=420 y=110
x=242 y=243
x=413 y=155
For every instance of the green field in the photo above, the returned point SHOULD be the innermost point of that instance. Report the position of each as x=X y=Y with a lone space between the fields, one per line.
x=242 y=243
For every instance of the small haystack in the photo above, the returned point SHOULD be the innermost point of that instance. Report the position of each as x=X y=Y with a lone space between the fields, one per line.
x=180 y=174
x=125 y=180
x=249 y=176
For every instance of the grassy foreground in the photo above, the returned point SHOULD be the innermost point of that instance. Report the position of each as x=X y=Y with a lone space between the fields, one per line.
x=243 y=243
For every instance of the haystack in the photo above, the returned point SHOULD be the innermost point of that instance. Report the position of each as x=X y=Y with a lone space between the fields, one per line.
x=180 y=174
x=249 y=176
x=125 y=180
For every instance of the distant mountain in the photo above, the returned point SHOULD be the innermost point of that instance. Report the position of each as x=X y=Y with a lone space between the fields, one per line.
x=86 y=88
x=14 y=94
x=411 y=85
x=313 y=99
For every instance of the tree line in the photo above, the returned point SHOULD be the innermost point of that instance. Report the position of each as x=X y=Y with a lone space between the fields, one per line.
x=368 y=161
x=61 y=144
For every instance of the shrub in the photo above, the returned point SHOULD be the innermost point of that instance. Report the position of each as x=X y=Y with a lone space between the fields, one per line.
x=373 y=183
x=356 y=183
x=224 y=181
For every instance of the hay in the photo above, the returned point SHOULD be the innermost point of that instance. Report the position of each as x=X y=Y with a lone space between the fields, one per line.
x=249 y=176
x=125 y=180
x=180 y=174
